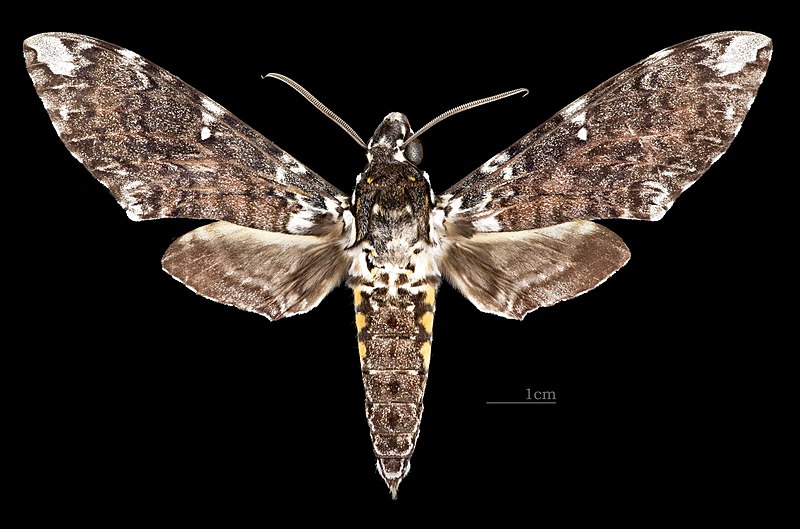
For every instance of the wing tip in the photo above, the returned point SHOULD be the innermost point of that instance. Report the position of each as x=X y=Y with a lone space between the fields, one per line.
x=759 y=40
x=51 y=50
x=47 y=38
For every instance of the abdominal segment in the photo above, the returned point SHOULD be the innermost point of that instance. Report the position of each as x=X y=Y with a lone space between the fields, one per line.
x=394 y=343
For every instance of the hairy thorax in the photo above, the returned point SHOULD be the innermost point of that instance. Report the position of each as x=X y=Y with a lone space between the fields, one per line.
x=392 y=215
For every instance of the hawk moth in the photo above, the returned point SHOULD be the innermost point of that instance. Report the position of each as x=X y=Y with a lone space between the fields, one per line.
x=514 y=235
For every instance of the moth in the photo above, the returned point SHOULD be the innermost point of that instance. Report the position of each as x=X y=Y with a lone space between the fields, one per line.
x=514 y=235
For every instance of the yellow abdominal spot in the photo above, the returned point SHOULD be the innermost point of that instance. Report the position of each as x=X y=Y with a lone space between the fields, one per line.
x=357 y=296
x=427 y=322
x=430 y=295
x=425 y=353
x=362 y=351
x=361 y=321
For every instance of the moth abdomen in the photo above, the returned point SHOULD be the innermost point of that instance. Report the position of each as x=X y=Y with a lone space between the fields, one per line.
x=394 y=344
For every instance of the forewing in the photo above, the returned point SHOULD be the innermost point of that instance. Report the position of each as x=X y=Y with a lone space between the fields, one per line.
x=164 y=149
x=511 y=274
x=627 y=149
x=273 y=274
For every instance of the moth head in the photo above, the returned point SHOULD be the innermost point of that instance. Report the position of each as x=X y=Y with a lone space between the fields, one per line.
x=390 y=143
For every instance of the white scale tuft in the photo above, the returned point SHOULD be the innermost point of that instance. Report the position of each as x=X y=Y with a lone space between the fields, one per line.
x=486 y=224
x=580 y=119
x=349 y=228
x=300 y=222
x=294 y=166
x=742 y=50
x=205 y=133
x=574 y=106
x=128 y=54
x=129 y=200
x=583 y=134
x=143 y=79
x=657 y=56
x=332 y=207
x=436 y=225
x=52 y=52
x=212 y=107
x=424 y=265
x=495 y=162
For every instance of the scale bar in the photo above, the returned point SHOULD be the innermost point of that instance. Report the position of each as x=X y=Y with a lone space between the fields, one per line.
x=523 y=402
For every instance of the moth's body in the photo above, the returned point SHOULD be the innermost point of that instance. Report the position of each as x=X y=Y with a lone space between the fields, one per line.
x=394 y=280
x=513 y=236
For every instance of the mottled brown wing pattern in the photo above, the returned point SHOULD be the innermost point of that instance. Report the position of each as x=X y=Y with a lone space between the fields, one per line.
x=628 y=148
x=164 y=149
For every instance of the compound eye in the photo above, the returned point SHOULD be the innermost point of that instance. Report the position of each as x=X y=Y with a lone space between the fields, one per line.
x=413 y=152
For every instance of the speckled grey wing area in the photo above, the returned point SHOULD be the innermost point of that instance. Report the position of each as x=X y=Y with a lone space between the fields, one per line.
x=513 y=273
x=163 y=149
x=627 y=149
x=273 y=274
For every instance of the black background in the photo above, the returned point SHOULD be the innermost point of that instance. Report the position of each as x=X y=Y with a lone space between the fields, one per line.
x=135 y=397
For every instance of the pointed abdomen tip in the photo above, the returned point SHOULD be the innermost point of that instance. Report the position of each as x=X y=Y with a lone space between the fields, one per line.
x=393 y=470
